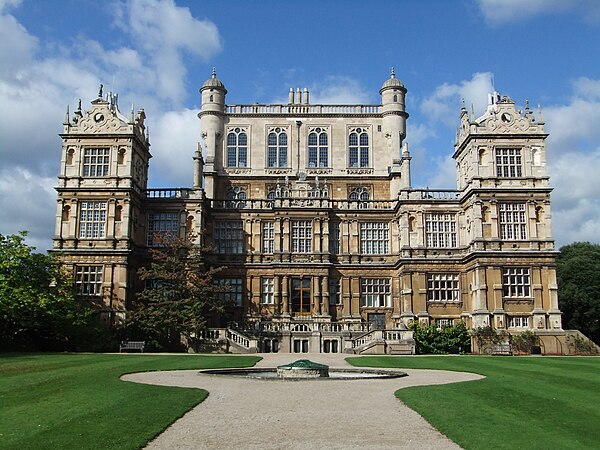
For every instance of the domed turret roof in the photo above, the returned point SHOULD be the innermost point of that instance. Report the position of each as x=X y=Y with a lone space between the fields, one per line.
x=214 y=82
x=392 y=82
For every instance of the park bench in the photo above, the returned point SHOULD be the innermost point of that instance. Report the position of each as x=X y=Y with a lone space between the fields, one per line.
x=502 y=350
x=132 y=345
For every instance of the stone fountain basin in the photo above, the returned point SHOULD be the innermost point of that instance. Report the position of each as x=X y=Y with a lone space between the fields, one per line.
x=334 y=374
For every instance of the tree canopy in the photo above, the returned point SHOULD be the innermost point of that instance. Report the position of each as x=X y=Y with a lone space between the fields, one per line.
x=179 y=294
x=578 y=272
x=38 y=310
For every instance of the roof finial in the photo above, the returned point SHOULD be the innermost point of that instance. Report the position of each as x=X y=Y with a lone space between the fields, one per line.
x=392 y=73
x=472 y=113
x=214 y=72
x=540 y=119
x=100 y=91
x=67 y=120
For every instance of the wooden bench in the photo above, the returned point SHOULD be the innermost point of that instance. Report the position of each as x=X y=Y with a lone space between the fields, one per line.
x=502 y=350
x=132 y=345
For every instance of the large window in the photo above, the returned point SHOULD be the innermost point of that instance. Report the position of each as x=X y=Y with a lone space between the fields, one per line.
x=96 y=162
x=318 y=149
x=277 y=149
x=237 y=148
x=162 y=225
x=229 y=237
x=301 y=236
x=375 y=292
x=513 y=223
x=374 y=238
x=232 y=290
x=516 y=283
x=92 y=220
x=88 y=280
x=440 y=230
x=268 y=237
x=508 y=162
x=236 y=198
x=267 y=290
x=358 y=147
x=442 y=287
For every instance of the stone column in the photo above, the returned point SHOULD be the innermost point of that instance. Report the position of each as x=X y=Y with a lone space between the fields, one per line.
x=325 y=294
x=276 y=295
x=285 y=299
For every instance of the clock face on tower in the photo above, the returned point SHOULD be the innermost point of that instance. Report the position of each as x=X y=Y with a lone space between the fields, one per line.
x=98 y=117
x=506 y=118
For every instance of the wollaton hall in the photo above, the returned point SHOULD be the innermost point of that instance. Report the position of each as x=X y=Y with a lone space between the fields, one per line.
x=309 y=210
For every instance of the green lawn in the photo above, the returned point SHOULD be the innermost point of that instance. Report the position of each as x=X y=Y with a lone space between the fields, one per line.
x=525 y=402
x=76 y=401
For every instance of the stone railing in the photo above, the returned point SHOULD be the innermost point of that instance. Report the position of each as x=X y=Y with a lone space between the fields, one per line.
x=168 y=193
x=295 y=109
x=428 y=194
x=397 y=335
x=239 y=338
x=366 y=338
x=305 y=202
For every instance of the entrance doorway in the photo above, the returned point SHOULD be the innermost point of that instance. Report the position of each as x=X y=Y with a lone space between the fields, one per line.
x=301 y=296
x=377 y=320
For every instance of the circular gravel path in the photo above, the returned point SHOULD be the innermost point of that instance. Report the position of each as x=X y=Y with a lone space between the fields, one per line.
x=245 y=413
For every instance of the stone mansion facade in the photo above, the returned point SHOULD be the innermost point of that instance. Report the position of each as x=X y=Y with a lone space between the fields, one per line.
x=309 y=209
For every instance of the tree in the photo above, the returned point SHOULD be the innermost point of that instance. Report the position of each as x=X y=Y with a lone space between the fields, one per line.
x=441 y=339
x=578 y=273
x=38 y=310
x=179 y=294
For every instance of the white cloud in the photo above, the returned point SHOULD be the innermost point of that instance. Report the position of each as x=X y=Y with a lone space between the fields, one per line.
x=31 y=207
x=174 y=141
x=497 y=12
x=444 y=104
x=164 y=32
x=574 y=162
x=339 y=90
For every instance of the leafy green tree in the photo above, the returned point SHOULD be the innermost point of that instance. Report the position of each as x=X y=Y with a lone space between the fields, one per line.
x=38 y=310
x=578 y=273
x=179 y=295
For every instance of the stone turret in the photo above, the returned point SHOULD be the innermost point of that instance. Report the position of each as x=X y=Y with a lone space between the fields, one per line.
x=211 y=115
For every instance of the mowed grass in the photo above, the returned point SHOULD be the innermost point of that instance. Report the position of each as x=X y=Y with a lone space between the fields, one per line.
x=525 y=402
x=77 y=401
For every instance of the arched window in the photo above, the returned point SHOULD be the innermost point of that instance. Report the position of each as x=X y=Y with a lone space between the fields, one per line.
x=235 y=198
x=359 y=194
x=277 y=148
x=358 y=146
x=318 y=148
x=237 y=148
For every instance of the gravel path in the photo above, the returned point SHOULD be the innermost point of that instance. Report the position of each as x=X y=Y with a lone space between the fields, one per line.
x=244 y=413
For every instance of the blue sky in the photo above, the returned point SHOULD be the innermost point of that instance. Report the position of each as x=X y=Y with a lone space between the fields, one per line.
x=156 y=55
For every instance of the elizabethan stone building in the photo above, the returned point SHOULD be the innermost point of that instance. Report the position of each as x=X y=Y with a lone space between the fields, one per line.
x=309 y=208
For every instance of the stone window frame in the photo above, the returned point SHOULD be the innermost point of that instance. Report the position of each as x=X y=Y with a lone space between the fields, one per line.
x=335 y=291
x=267 y=291
x=318 y=150
x=92 y=219
x=375 y=293
x=440 y=230
x=302 y=234
x=236 y=197
x=281 y=149
x=374 y=238
x=361 y=146
x=516 y=283
x=512 y=219
x=235 y=293
x=268 y=237
x=509 y=162
x=164 y=223
x=443 y=288
x=521 y=322
x=228 y=237
x=88 y=280
x=237 y=154
x=95 y=162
